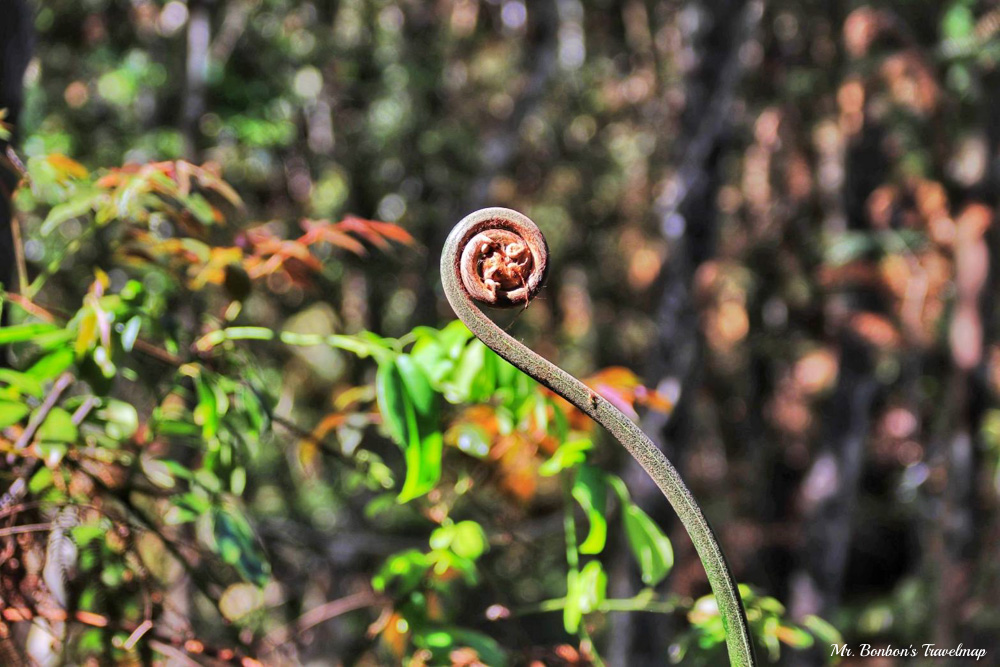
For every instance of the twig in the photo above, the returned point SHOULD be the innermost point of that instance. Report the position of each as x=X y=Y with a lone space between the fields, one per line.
x=303 y=434
x=233 y=26
x=173 y=652
x=317 y=615
x=15 y=232
x=27 y=528
x=626 y=604
x=20 y=485
x=158 y=353
x=29 y=306
x=61 y=385
x=136 y=635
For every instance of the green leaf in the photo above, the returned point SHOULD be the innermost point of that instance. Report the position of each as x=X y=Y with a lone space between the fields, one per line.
x=22 y=382
x=572 y=612
x=365 y=344
x=52 y=453
x=822 y=630
x=389 y=395
x=80 y=205
x=235 y=543
x=240 y=600
x=401 y=573
x=86 y=533
x=592 y=586
x=649 y=545
x=466 y=385
x=470 y=540
x=187 y=507
x=206 y=413
x=58 y=427
x=465 y=539
x=121 y=419
x=794 y=637
x=52 y=364
x=238 y=480
x=157 y=472
x=453 y=339
x=472 y=439
x=958 y=21
x=428 y=353
x=25 y=332
x=410 y=408
x=590 y=490
x=568 y=455
x=200 y=208
x=249 y=333
x=417 y=387
x=40 y=481
x=11 y=412
x=442 y=641
x=131 y=332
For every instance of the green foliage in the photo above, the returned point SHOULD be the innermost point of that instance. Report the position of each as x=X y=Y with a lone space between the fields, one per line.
x=590 y=491
x=422 y=587
x=767 y=622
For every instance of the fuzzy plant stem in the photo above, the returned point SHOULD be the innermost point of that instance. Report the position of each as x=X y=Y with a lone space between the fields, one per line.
x=499 y=257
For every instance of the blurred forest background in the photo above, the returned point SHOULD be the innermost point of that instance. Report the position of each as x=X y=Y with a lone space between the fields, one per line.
x=778 y=216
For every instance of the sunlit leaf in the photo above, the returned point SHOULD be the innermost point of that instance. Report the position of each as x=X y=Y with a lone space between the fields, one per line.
x=824 y=631
x=240 y=600
x=649 y=545
x=52 y=364
x=80 y=205
x=572 y=611
x=131 y=332
x=470 y=438
x=590 y=490
x=592 y=586
x=11 y=412
x=19 y=333
x=568 y=455
x=445 y=642
x=465 y=539
x=390 y=397
x=121 y=419
x=58 y=427
x=23 y=383
x=794 y=637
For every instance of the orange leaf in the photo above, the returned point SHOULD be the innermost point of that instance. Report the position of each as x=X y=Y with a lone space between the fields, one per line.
x=66 y=167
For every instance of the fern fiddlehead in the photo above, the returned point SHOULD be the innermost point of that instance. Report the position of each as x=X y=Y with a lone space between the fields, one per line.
x=499 y=257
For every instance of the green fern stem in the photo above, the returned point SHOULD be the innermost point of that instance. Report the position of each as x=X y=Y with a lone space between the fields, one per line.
x=499 y=257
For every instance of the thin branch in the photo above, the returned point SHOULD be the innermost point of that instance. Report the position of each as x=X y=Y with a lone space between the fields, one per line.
x=158 y=353
x=29 y=306
x=626 y=604
x=27 y=528
x=15 y=224
x=15 y=233
x=173 y=653
x=61 y=385
x=20 y=485
x=137 y=634
x=324 y=612
x=233 y=26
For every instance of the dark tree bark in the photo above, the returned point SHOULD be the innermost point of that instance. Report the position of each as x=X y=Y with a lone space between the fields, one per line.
x=687 y=221
x=16 y=38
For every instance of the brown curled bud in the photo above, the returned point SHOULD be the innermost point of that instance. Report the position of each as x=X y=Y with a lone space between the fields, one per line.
x=504 y=258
